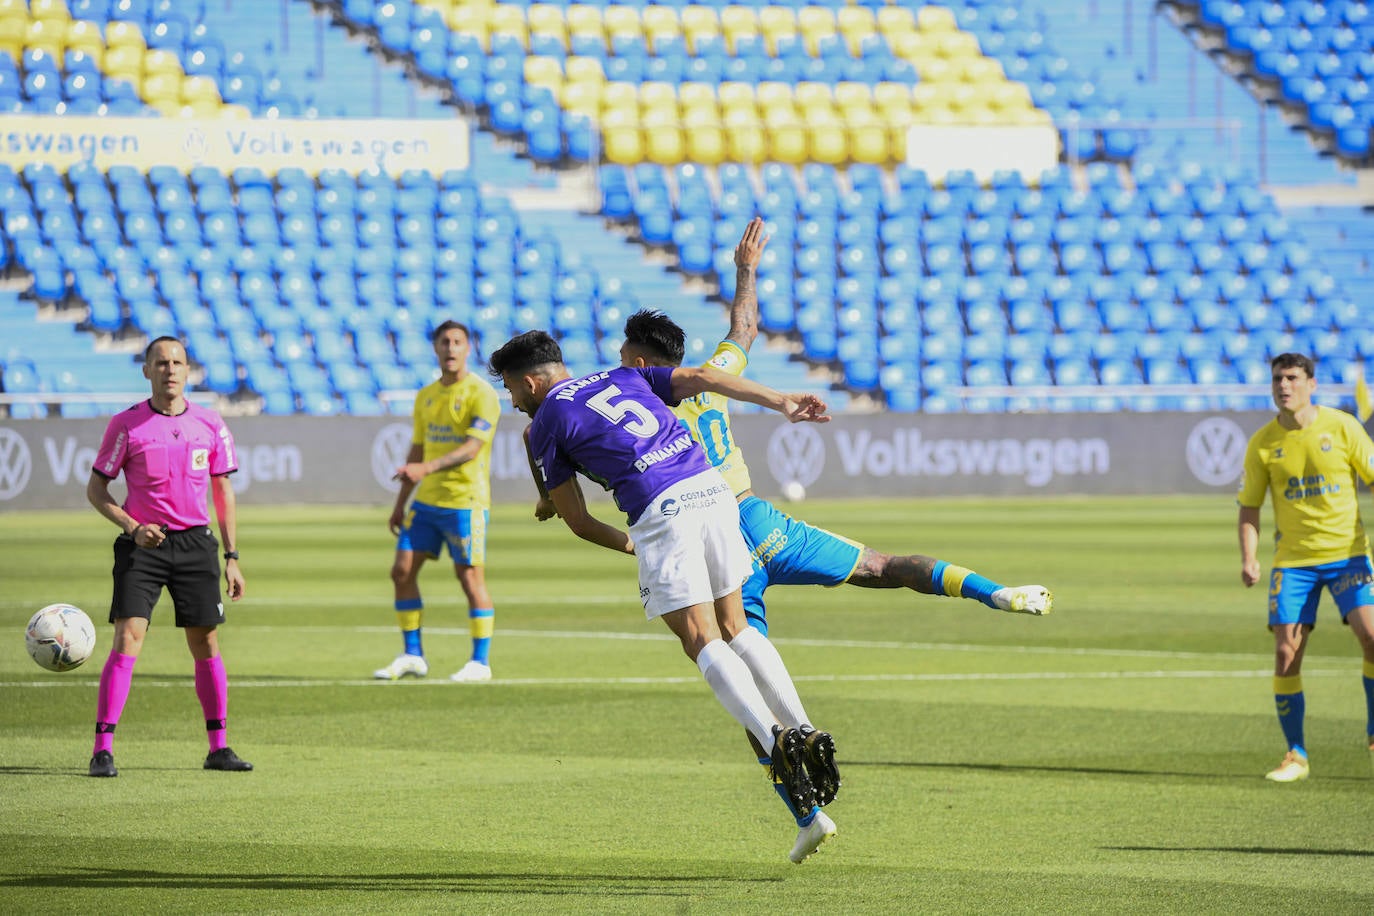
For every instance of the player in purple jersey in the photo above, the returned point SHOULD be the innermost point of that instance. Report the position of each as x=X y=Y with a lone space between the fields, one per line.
x=174 y=455
x=615 y=427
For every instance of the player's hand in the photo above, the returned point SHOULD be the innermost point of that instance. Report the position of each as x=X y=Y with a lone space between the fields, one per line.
x=398 y=517
x=805 y=408
x=233 y=581
x=410 y=473
x=149 y=536
x=544 y=509
x=749 y=251
x=1250 y=572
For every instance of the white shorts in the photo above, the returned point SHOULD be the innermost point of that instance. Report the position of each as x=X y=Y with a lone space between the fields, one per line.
x=689 y=545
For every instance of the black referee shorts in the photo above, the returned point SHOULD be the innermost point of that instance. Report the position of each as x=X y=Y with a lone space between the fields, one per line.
x=186 y=563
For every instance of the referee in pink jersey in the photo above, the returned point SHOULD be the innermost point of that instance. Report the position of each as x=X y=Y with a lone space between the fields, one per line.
x=172 y=454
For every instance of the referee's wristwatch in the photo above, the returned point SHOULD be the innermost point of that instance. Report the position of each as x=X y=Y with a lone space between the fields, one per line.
x=231 y=555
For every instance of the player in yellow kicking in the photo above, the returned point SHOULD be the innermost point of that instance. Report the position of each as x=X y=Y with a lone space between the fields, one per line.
x=448 y=470
x=1309 y=458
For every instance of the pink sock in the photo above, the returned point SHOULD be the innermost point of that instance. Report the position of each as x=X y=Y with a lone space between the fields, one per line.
x=212 y=686
x=115 y=679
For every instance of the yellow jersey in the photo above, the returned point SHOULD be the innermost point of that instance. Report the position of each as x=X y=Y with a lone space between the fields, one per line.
x=445 y=416
x=707 y=418
x=1311 y=477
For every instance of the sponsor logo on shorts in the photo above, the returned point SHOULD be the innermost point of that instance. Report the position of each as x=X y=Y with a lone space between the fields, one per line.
x=1350 y=580
x=769 y=547
x=643 y=596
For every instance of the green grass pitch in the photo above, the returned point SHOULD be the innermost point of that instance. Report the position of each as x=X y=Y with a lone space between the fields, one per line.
x=1105 y=759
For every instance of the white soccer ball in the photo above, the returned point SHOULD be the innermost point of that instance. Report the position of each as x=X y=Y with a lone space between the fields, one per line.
x=60 y=637
x=793 y=491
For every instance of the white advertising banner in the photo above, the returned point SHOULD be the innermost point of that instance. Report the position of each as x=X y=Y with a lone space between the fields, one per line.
x=352 y=144
x=44 y=464
x=940 y=149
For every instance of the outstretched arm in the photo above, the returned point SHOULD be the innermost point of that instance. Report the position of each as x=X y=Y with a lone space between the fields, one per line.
x=744 y=310
x=690 y=381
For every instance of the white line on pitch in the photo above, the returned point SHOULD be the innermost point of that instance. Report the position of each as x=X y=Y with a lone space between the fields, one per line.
x=663 y=681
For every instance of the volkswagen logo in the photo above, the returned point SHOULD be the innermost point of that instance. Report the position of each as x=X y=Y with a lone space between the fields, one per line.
x=389 y=450
x=16 y=464
x=796 y=453
x=1216 y=451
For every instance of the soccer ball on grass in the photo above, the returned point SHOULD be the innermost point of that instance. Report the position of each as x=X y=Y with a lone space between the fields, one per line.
x=60 y=637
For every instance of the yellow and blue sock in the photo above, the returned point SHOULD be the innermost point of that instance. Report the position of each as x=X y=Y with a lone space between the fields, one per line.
x=408 y=613
x=1369 y=698
x=1292 y=708
x=481 y=623
x=958 y=582
x=786 y=797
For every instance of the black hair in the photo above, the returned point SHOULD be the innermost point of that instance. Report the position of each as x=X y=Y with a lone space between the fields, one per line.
x=657 y=333
x=1294 y=361
x=524 y=352
x=148 y=350
x=450 y=326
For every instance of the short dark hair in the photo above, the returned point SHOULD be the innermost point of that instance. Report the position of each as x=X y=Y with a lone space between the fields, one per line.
x=1294 y=361
x=657 y=333
x=450 y=326
x=148 y=350
x=524 y=352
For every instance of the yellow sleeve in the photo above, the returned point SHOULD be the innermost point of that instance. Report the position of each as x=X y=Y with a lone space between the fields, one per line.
x=418 y=420
x=1361 y=450
x=486 y=412
x=1254 y=481
x=729 y=357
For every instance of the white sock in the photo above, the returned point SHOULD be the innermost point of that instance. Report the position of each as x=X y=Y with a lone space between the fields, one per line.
x=770 y=674
x=734 y=688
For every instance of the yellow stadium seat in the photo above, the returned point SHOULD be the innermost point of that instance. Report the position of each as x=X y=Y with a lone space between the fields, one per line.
x=48 y=35
x=581 y=98
x=582 y=69
x=746 y=140
x=206 y=108
x=120 y=34
x=49 y=10
x=583 y=19
x=15 y=9
x=84 y=35
x=769 y=94
x=162 y=90
x=699 y=20
x=954 y=45
x=896 y=143
x=695 y=95
x=828 y=140
x=912 y=46
x=895 y=20
x=157 y=62
x=816 y=20
x=658 y=95
x=936 y=19
x=856 y=20
x=736 y=95
x=979 y=70
x=664 y=143
x=935 y=70
x=546 y=19
x=622 y=96
x=508 y=19
x=787 y=142
x=12 y=37
x=660 y=20
x=887 y=93
x=621 y=20
x=622 y=141
x=853 y=95
x=808 y=95
x=200 y=90
x=739 y=20
x=543 y=71
x=235 y=112
x=125 y=63
x=706 y=140
x=469 y=21
x=868 y=142
x=778 y=20
x=1011 y=96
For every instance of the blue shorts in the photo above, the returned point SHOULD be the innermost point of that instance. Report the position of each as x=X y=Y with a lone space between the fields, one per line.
x=1295 y=590
x=428 y=528
x=789 y=552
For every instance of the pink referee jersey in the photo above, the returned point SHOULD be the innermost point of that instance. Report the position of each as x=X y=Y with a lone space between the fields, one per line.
x=167 y=462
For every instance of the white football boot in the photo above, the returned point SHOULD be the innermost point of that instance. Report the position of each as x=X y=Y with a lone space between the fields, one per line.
x=810 y=837
x=471 y=673
x=1293 y=769
x=403 y=665
x=1025 y=599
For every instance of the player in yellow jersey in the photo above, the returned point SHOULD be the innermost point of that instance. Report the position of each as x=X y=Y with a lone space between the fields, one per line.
x=787 y=551
x=1310 y=459
x=448 y=471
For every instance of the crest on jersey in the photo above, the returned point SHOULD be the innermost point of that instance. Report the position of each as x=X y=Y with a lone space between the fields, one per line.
x=200 y=459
